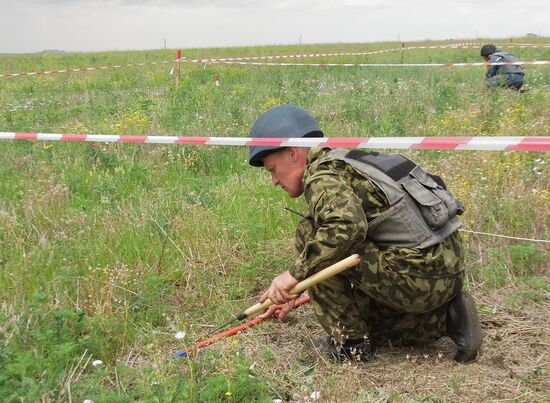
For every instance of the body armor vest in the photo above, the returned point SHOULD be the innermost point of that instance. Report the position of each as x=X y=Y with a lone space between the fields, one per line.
x=507 y=68
x=422 y=211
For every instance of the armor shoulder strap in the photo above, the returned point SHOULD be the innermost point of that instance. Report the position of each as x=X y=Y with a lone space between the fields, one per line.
x=395 y=166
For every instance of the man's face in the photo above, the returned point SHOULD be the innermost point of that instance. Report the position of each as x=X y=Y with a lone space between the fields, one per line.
x=287 y=167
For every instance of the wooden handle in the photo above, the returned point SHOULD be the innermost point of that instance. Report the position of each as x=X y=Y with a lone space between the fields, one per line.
x=318 y=277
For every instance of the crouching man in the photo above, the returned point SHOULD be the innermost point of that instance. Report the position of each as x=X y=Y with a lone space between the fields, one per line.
x=502 y=75
x=400 y=219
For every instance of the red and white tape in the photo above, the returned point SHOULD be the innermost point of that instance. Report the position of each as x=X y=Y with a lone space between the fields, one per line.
x=473 y=64
x=291 y=56
x=374 y=52
x=184 y=60
x=200 y=61
x=476 y=45
x=269 y=57
x=511 y=143
x=81 y=69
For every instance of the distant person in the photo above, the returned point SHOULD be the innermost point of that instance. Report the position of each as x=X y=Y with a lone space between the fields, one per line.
x=401 y=220
x=505 y=75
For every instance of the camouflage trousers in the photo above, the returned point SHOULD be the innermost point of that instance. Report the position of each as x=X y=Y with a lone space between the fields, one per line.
x=396 y=296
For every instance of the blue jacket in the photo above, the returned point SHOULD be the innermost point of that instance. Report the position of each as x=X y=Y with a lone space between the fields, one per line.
x=508 y=75
x=503 y=69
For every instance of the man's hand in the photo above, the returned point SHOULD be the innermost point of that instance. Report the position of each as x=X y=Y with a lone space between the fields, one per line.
x=279 y=311
x=278 y=292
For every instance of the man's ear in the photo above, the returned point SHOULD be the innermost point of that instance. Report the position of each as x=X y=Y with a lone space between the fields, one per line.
x=298 y=154
x=293 y=153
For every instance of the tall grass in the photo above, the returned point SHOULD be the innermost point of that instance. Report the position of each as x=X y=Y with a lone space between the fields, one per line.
x=106 y=250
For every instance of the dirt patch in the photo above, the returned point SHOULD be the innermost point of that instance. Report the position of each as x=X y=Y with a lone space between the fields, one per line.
x=513 y=364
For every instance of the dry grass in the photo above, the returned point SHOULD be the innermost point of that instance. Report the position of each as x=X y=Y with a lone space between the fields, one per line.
x=109 y=250
x=513 y=365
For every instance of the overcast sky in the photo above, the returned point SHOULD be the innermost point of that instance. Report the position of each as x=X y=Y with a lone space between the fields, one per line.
x=89 y=25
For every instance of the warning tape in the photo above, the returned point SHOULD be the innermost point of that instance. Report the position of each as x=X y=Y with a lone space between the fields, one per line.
x=82 y=69
x=199 y=61
x=476 y=45
x=525 y=46
x=291 y=56
x=473 y=64
x=465 y=45
x=374 y=52
x=488 y=143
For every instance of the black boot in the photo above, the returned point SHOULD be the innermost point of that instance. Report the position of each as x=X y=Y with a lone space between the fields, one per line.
x=352 y=350
x=463 y=326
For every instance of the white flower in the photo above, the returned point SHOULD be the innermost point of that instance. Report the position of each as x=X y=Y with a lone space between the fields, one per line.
x=180 y=335
x=315 y=395
x=277 y=401
x=88 y=401
x=97 y=363
x=155 y=383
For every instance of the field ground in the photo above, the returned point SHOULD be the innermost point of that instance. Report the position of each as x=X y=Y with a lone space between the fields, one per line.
x=108 y=250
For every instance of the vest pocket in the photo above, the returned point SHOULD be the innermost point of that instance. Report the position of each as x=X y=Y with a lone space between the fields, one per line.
x=433 y=209
x=436 y=204
x=399 y=225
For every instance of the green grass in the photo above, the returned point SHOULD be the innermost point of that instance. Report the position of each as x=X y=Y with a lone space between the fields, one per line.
x=106 y=250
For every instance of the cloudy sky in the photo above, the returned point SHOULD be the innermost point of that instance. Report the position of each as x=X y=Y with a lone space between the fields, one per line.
x=88 y=25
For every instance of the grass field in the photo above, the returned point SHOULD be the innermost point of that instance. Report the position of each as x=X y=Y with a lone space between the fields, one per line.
x=108 y=250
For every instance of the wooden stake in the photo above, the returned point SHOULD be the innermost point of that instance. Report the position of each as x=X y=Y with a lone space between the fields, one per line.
x=318 y=277
x=178 y=63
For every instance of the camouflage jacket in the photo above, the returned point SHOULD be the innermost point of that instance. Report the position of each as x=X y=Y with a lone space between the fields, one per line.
x=341 y=202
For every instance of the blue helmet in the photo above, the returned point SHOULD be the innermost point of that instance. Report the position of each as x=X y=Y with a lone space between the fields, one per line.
x=281 y=121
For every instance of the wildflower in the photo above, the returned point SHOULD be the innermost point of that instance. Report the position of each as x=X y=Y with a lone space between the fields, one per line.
x=97 y=363
x=180 y=335
x=228 y=394
x=315 y=395
x=155 y=383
